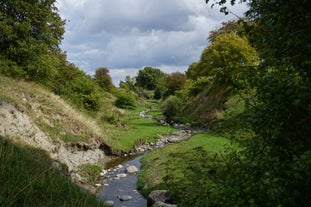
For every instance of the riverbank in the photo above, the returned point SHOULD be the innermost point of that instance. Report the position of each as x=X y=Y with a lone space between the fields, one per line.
x=170 y=167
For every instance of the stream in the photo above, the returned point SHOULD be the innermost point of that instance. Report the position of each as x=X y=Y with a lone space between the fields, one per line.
x=119 y=186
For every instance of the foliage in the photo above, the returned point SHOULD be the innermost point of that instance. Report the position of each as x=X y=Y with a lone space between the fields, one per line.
x=91 y=173
x=128 y=84
x=171 y=106
x=226 y=28
x=174 y=82
x=103 y=79
x=229 y=58
x=194 y=87
x=28 y=179
x=131 y=129
x=126 y=100
x=149 y=77
x=265 y=173
x=81 y=90
x=173 y=166
x=30 y=34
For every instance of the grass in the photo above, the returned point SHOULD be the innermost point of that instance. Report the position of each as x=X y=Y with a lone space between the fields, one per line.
x=49 y=111
x=174 y=160
x=27 y=178
x=133 y=129
x=91 y=173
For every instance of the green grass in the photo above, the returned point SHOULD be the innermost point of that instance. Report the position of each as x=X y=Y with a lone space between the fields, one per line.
x=133 y=130
x=174 y=160
x=27 y=178
x=91 y=173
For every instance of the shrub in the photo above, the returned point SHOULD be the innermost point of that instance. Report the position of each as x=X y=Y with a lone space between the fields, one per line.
x=125 y=100
x=171 y=106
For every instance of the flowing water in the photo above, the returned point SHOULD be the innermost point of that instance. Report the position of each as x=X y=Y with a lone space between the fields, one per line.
x=116 y=188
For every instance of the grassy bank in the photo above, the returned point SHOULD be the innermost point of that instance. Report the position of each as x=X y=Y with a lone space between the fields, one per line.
x=187 y=169
x=27 y=178
x=132 y=129
x=176 y=161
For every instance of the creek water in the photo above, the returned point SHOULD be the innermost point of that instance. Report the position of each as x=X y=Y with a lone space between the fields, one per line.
x=115 y=188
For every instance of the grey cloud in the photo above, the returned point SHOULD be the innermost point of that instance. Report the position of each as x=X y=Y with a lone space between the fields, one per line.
x=125 y=35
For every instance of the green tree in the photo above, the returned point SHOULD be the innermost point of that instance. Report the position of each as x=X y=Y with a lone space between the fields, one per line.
x=128 y=84
x=227 y=27
x=149 y=77
x=174 y=82
x=30 y=34
x=228 y=58
x=103 y=78
x=266 y=173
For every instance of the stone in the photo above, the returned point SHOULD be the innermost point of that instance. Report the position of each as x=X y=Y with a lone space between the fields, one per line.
x=161 y=204
x=158 y=196
x=109 y=203
x=98 y=185
x=122 y=175
x=125 y=198
x=131 y=169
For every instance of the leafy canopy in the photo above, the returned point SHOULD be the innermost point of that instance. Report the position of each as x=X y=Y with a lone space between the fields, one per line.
x=149 y=77
x=30 y=34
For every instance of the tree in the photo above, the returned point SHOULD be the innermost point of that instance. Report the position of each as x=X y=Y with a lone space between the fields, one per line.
x=31 y=32
x=228 y=58
x=174 y=82
x=128 y=84
x=103 y=78
x=266 y=173
x=227 y=27
x=149 y=77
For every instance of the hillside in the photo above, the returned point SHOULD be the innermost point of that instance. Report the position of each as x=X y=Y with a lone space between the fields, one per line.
x=34 y=116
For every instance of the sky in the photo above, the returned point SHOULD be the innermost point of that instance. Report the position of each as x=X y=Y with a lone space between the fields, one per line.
x=127 y=35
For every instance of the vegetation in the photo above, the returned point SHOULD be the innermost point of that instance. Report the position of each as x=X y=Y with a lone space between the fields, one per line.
x=272 y=128
x=132 y=129
x=251 y=84
x=170 y=167
x=28 y=179
x=148 y=77
x=270 y=122
x=31 y=32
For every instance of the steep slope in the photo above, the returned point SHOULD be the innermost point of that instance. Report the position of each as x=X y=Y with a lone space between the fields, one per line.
x=34 y=116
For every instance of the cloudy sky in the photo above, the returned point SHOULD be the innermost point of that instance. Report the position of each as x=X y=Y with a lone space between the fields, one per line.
x=127 y=35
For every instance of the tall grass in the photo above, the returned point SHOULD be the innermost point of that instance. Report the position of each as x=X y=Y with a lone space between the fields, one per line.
x=27 y=178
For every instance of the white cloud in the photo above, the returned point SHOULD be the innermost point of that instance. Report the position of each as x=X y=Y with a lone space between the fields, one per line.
x=126 y=35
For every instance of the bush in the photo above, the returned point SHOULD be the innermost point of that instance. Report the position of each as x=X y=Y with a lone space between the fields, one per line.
x=171 y=106
x=125 y=100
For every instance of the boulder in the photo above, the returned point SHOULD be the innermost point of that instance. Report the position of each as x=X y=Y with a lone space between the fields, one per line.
x=131 y=169
x=122 y=175
x=125 y=198
x=109 y=203
x=161 y=204
x=158 y=196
